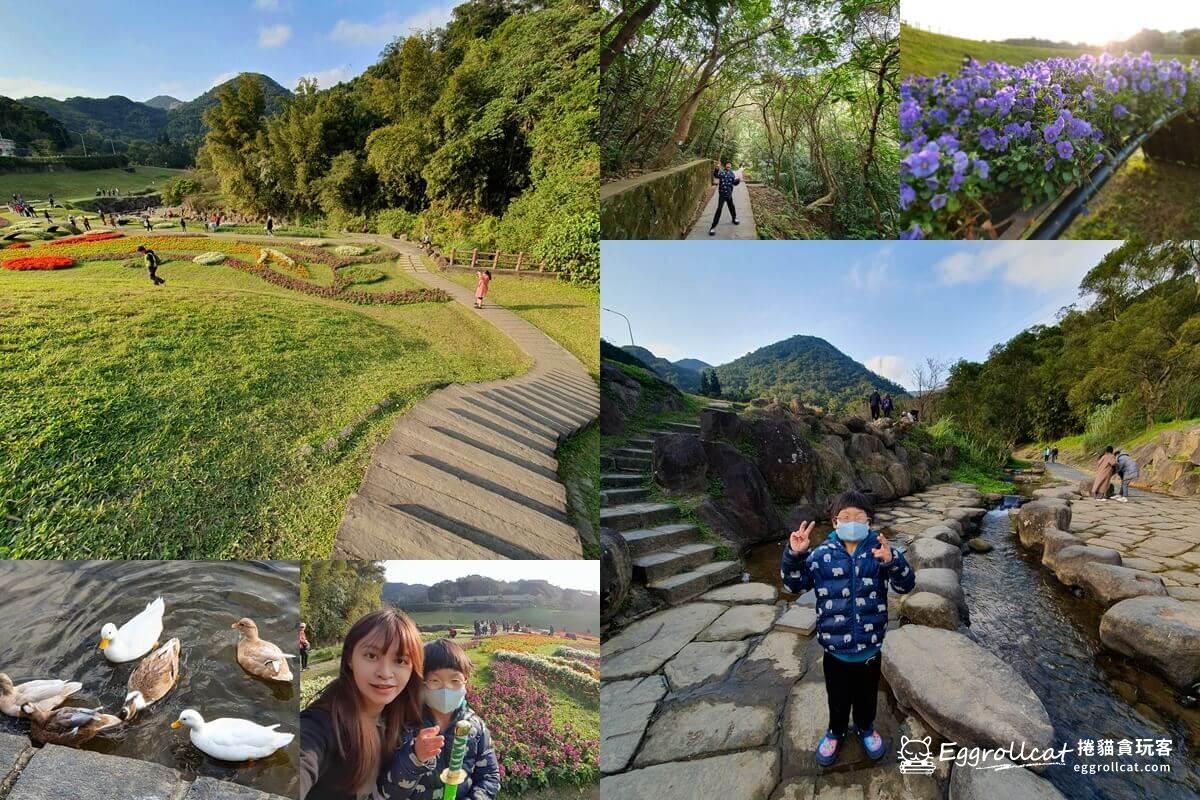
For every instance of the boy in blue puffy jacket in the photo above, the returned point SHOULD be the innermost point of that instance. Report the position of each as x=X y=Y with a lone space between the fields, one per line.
x=850 y=572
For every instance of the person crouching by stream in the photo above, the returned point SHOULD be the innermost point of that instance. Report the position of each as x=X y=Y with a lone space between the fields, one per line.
x=1106 y=467
x=726 y=180
x=850 y=571
x=370 y=710
x=1127 y=470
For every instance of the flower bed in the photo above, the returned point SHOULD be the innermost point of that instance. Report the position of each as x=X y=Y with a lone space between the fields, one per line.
x=348 y=250
x=39 y=262
x=18 y=246
x=100 y=236
x=210 y=258
x=518 y=642
x=532 y=753
x=587 y=687
x=995 y=133
x=586 y=656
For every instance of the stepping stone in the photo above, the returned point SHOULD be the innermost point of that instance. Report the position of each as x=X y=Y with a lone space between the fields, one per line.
x=664 y=537
x=985 y=784
x=701 y=662
x=627 y=706
x=739 y=622
x=1162 y=632
x=618 y=480
x=617 y=497
x=798 y=619
x=1163 y=546
x=687 y=585
x=637 y=515
x=781 y=653
x=647 y=644
x=665 y=563
x=744 y=593
x=705 y=727
x=747 y=775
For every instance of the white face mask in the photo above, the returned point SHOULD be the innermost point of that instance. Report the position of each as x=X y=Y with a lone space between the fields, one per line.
x=852 y=531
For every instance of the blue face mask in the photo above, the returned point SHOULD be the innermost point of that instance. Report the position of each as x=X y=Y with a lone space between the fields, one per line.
x=852 y=531
x=445 y=700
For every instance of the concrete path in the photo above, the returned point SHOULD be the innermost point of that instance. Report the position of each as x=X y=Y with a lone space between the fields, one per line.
x=55 y=773
x=726 y=229
x=470 y=471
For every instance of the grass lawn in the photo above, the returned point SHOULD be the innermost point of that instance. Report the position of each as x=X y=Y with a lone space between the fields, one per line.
x=926 y=53
x=568 y=314
x=70 y=184
x=166 y=422
x=1155 y=200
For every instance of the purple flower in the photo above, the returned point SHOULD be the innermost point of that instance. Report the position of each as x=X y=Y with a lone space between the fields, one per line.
x=1065 y=149
x=1079 y=128
x=1050 y=132
x=907 y=196
x=1049 y=164
x=938 y=201
x=913 y=233
x=922 y=163
x=981 y=168
x=987 y=138
x=1120 y=112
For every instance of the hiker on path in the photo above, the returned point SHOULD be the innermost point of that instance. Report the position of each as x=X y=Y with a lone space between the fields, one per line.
x=183 y=223
x=1106 y=467
x=850 y=571
x=270 y=225
x=303 y=646
x=152 y=263
x=1054 y=455
x=146 y=223
x=51 y=199
x=874 y=401
x=481 y=288
x=1046 y=455
x=886 y=406
x=1127 y=469
x=726 y=180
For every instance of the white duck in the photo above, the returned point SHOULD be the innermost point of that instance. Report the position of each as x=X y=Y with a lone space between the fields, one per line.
x=135 y=638
x=45 y=695
x=230 y=738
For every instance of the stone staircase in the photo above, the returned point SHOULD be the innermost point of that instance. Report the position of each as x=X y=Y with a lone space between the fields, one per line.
x=668 y=556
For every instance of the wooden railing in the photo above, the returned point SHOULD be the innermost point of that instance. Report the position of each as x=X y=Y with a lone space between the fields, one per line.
x=515 y=263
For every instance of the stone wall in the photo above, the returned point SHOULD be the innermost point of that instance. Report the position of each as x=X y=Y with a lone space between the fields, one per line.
x=658 y=205
x=57 y=773
x=1170 y=462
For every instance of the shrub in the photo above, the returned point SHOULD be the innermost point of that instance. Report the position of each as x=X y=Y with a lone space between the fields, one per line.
x=310 y=689
x=586 y=687
x=348 y=250
x=39 y=263
x=361 y=275
x=1110 y=424
x=571 y=247
x=210 y=258
x=586 y=656
x=393 y=221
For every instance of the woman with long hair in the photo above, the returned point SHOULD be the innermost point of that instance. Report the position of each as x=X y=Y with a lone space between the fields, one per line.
x=365 y=714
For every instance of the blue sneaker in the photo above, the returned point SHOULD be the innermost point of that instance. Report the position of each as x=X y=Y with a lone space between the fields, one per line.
x=872 y=742
x=827 y=749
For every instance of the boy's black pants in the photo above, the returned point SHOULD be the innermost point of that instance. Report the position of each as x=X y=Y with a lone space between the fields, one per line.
x=721 y=201
x=303 y=658
x=851 y=687
x=154 y=276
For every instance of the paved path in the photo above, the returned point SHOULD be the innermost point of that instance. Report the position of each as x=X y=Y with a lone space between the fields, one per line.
x=57 y=773
x=470 y=471
x=726 y=229
x=1154 y=532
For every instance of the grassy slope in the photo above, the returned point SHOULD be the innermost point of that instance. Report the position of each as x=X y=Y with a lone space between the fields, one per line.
x=926 y=53
x=166 y=423
x=1072 y=451
x=71 y=184
x=1155 y=200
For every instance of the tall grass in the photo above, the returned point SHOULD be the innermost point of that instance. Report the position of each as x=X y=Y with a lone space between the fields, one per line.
x=1109 y=425
x=979 y=451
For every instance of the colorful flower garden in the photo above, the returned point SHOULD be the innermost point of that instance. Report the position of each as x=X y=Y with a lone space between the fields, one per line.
x=995 y=137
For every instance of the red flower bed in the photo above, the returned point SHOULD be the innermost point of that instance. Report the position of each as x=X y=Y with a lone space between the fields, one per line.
x=18 y=246
x=39 y=262
x=99 y=236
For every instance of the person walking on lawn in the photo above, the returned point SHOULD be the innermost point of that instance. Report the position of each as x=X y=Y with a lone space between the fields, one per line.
x=152 y=263
x=726 y=180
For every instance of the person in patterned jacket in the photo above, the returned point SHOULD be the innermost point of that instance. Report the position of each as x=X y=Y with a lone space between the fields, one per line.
x=726 y=180
x=447 y=669
x=850 y=571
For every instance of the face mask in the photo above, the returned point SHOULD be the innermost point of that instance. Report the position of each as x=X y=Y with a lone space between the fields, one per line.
x=852 y=531
x=445 y=700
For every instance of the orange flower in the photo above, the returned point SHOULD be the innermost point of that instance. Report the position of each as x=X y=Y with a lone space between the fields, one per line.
x=39 y=262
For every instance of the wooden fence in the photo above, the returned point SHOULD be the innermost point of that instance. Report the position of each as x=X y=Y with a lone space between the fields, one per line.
x=511 y=263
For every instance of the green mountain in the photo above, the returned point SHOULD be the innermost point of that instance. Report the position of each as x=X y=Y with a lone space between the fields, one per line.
x=806 y=368
x=164 y=101
x=186 y=121
x=685 y=378
x=27 y=126
x=113 y=117
x=694 y=364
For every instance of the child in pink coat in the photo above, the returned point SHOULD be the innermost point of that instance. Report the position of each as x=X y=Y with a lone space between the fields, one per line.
x=481 y=288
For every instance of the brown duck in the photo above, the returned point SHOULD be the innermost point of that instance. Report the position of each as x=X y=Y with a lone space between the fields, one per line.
x=68 y=726
x=153 y=678
x=46 y=695
x=259 y=657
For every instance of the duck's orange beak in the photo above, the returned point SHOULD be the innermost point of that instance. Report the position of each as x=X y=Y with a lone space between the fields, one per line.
x=103 y=643
x=176 y=725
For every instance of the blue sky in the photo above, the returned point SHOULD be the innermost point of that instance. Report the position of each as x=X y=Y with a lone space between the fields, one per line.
x=888 y=305
x=140 y=49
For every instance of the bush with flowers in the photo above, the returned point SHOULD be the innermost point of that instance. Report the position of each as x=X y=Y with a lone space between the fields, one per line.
x=995 y=133
x=38 y=263
x=586 y=656
x=586 y=687
x=98 y=236
x=18 y=246
x=518 y=642
x=533 y=751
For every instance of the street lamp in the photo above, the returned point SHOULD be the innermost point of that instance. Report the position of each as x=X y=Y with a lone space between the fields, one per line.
x=622 y=316
x=82 y=141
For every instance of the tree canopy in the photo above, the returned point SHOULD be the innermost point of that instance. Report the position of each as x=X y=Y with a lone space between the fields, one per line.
x=334 y=594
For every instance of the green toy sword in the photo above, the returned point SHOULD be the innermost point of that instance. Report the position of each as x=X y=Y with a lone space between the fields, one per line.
x=454 y=774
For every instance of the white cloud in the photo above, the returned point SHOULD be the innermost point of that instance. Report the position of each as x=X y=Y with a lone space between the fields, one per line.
x=266 y=5
x=1040 y=266
x=274 y=36
x=663 y=350
x=31 y=87
x=390 y=26
x=894 y=368
x=329 y=77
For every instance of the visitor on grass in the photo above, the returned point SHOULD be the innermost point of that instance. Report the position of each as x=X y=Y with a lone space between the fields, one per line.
x=484 y=277
x=874 y=401
x=152 y=263
x=87 y=226
x=303 y=646
x=850 y=572
x=182 y=223
x=146 y=223
x=1127 y=469
x=47 y=213
x=270 y=225
x=416 y=768
x=726 y=180
x=1106 y=467
x=370 y=710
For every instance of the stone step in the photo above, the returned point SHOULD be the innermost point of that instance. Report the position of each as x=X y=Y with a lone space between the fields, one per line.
x=637 y=515
x=608 y=462
x=687 y=585
x=619 y=497
x=663 y=564
x=371 y=530
x=682 y=427
x=641 y=444
x=632 y=464
x=664 y=537
x=633 y=452
x=620 y=480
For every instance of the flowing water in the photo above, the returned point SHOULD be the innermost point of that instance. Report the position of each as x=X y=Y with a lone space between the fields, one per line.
x=1023 y=615
x=53 y=612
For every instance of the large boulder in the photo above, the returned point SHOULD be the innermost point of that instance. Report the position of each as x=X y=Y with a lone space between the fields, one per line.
x=1070 y=561
x=785 y=458
x=967 y=783
x=743 y=508
x=881 y=491
x=616 y=572
x=862 y=445
x=837 y=474
x=945 y=583
x=1053 y=542
x=680 y=465
x=621 y=395
x=1038 y=516
x=900 y=477
x=856 y=424
x=932 y=610
x=929 y=553
x=965 y=692
x=716 y=423
x=1110 y=584
x=1160 y=631
x=943 y=533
